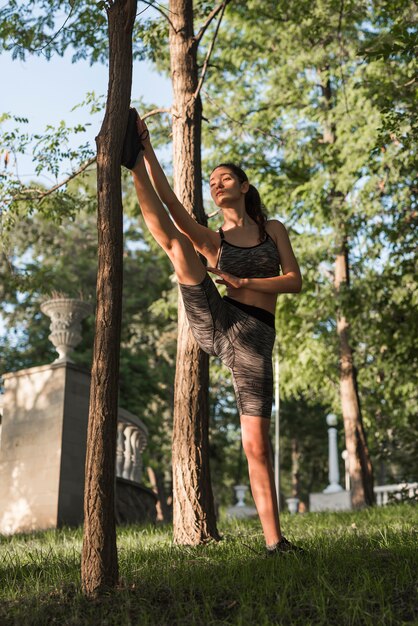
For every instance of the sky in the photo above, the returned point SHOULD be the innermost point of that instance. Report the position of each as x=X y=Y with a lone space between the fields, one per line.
x=46 y=91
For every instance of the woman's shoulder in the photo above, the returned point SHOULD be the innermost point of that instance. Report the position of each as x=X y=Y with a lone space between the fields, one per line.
x=275 y=229
x=274 y=224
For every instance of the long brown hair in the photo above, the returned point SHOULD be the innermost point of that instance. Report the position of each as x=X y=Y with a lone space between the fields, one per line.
x=253 y=204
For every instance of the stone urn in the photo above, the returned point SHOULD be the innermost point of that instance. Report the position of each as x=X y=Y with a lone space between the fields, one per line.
x=66 y=315
x=240 y=491
x=293 y=505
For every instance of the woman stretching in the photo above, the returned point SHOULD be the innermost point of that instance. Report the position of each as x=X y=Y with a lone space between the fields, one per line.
x=246 y=255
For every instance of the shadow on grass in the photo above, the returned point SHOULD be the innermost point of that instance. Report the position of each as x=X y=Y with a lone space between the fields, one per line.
x=337 y=582
x=360 y=568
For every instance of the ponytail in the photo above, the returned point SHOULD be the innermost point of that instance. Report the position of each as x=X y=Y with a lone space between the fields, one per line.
x=253 y=204
x=254 y=208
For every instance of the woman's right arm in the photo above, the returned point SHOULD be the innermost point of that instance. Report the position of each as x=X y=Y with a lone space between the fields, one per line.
x=204 y=239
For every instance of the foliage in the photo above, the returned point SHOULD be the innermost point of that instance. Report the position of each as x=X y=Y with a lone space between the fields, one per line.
x=43 y=256
x=305 y=112
x=311 y=98
x=55 y=154
x=48 y=27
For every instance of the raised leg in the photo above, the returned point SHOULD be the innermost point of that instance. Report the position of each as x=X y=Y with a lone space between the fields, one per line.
x=255 y=442
x=187 y=265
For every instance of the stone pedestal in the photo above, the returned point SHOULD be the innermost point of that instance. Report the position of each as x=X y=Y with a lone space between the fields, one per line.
x=340 y=501
x=240 y=509
x=43 y=447
x=292 y=505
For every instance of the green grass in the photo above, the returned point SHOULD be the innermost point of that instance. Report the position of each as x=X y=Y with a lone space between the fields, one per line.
x=360 y=568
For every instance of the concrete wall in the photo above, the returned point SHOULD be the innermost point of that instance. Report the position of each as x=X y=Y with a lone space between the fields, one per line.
x=42 y=448
x=73 y=451
x=340 y=501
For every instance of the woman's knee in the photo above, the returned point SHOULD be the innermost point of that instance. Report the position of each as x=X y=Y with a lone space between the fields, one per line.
x=187 y=265
x=256 y=449
x=181 y=251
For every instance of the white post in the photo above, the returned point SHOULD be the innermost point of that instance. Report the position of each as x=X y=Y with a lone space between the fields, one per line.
x=344 y=455
x=277 y=423
x=333 y=471
x=127 y=451
x=120 y=458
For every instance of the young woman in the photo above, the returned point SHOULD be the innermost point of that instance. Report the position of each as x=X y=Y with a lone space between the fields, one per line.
x=246 y=255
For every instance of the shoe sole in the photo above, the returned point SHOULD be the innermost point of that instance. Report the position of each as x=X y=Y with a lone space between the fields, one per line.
x=132 y=145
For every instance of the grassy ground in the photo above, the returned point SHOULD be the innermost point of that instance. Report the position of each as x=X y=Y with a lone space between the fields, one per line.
x=360 y=568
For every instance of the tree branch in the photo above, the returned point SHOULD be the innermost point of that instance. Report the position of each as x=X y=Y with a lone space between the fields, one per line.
x=40 y=194
x=243 y=124
x=81 y=169
x=340 y=44
x=157 y=7
x=49 y=41
x=156 y=112
x=210 y=50
x=212 y=14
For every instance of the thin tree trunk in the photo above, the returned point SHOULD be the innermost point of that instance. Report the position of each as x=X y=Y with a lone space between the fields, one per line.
x=157 y=485
x=295 y=468
x=99 y=565
x=360 y=467
x=194 y=518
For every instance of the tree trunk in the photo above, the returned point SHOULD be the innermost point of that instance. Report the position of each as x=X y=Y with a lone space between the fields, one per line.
x=194 y=519
x=99 y=566
x=360 y=467
x=295 y=468
x=157 y=485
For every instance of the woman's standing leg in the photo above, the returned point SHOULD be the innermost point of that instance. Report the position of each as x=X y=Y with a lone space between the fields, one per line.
x=255 y=441
x=187 y=265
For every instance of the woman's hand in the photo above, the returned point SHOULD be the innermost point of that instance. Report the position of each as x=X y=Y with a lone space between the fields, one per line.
x=227 y=279
x=143 y=132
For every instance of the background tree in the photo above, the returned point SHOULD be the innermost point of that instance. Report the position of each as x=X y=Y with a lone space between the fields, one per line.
x=264 y=106
x=306 y=157
x=190 y=454
x=193 y=509
x=99 y=567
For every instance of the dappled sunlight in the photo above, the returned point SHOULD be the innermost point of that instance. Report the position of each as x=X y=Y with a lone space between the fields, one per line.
x=30 y=453
x=27 y=392
x=356 y=564
x=18 y=517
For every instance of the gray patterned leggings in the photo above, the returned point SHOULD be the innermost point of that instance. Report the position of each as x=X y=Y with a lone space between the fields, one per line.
x=242 y=342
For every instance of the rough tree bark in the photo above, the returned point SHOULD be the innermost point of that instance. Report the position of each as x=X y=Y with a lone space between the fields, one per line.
x=99 y=565
x=360 y=466
x=359 y=463
x=194 y=518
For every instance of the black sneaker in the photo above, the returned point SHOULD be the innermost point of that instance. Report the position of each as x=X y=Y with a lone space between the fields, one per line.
x=282 y=547
x=132 y=144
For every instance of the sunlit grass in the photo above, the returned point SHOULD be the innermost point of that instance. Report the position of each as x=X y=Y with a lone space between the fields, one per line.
x=360 y=568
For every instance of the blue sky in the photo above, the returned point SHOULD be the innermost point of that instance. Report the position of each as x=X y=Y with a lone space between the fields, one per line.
x=46 y=91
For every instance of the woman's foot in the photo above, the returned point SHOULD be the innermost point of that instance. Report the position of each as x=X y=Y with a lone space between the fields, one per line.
x=283 y=546
x=132 y=144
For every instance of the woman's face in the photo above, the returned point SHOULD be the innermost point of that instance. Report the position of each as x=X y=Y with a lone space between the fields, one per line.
x=225 y=188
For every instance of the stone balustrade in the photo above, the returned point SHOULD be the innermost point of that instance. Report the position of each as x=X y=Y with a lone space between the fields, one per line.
x=131 y=441
x=384 y=493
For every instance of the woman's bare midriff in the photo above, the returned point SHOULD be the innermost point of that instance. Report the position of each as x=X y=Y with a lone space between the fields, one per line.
x=266 y=301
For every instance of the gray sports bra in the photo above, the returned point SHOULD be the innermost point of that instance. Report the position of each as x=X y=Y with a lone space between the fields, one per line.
x=259 y=261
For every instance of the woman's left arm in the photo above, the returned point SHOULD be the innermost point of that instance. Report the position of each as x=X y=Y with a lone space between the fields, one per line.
x=289 y=282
